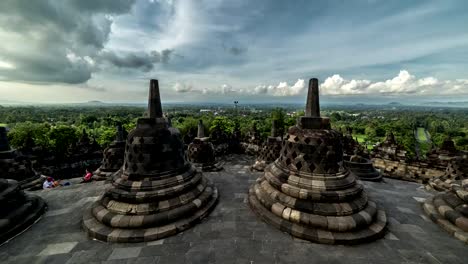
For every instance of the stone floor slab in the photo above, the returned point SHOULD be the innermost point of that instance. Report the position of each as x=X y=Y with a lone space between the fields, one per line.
x=125 y=253
x=59 y=248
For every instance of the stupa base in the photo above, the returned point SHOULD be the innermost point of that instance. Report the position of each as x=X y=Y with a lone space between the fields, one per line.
x=259 y=165
x=433 y=208
x=439 y=185
x=99 y=231
x=371 y=176
x=22 y=217
x=372 y=232
x=33 y=183
x=100 y=175
x=208 y=167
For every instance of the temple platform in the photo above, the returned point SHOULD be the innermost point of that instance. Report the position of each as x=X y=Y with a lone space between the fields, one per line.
x=232 y=233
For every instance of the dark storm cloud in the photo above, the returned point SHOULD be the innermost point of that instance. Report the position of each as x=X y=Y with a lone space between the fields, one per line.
x=55 y=41
x=136 y=60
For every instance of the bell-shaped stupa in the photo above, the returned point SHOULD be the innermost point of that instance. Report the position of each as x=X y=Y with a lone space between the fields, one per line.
x=270 y=150
x=201 y=151
x=157 y=193
x=113 y=156
x=307 y=191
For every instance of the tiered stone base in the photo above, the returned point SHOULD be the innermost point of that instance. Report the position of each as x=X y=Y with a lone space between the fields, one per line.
x=102 y=174
x=364 y=170
x=19 y=211
x=450 y=211
x=439 y=184
x=149 y=210
x=32 y=184
x=323 y=212
x=259 y=165
x=208 y=167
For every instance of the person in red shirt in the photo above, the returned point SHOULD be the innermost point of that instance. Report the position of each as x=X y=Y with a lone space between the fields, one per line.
x=88 y=176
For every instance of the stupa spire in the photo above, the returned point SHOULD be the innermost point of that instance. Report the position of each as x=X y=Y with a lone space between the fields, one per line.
x=274 y=129
x=120 y=133
x=154 y=100
x=313 y=104
x=201 y=130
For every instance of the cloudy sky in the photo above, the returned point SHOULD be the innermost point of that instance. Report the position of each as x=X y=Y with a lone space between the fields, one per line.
x=220 y=50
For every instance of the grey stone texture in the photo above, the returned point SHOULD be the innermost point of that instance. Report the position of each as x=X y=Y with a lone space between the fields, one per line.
x=157 y=193
x=307 y=191
x=233 y=234
x=17 y=168
x=18 y=209
x=113 y=157
x=201 y=152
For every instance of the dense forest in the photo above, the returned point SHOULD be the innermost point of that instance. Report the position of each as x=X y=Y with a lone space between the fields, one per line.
x=56 y=127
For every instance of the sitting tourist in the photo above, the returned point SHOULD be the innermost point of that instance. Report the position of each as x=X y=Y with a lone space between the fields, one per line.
x=88 y=176
x=49 y=183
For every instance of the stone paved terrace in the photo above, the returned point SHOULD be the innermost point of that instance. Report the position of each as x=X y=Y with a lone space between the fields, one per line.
x=233 y=234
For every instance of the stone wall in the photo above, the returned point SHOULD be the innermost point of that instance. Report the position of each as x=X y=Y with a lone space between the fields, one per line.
x=413 y=171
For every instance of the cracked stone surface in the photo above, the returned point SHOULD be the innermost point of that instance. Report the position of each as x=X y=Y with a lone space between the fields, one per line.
x=232 y=233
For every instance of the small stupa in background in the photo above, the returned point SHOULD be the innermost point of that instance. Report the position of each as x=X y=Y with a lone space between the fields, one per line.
x=270 y=150
x=113 y=156
x=201 y=151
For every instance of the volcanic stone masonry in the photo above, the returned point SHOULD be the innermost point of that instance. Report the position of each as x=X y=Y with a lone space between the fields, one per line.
x=449 y=209
x=252 y=146
x=390 y=158
x=270 y=150
x=18 y=210
x=441 y=157
x=201 y=151
x=308 y=193
x=157 y=193
x=455 y=172
x=113 y=157
x=17 y=168
x=362 y=167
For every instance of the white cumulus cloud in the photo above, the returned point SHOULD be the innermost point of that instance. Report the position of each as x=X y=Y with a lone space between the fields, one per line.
x=403 y=83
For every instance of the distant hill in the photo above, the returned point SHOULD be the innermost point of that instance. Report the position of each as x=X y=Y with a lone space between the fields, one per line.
x=452 y=104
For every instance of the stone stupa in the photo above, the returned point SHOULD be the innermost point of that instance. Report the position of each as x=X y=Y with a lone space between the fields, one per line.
x=18 y=210
x=449 y=209
x=113 y=157
x=455 y=172
x=254 y=141
x=157 y=193
x=362 y=167
x=270 y=150
x=17 y=168
x=201 y=151
x=308 y=193
x=444 y=154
